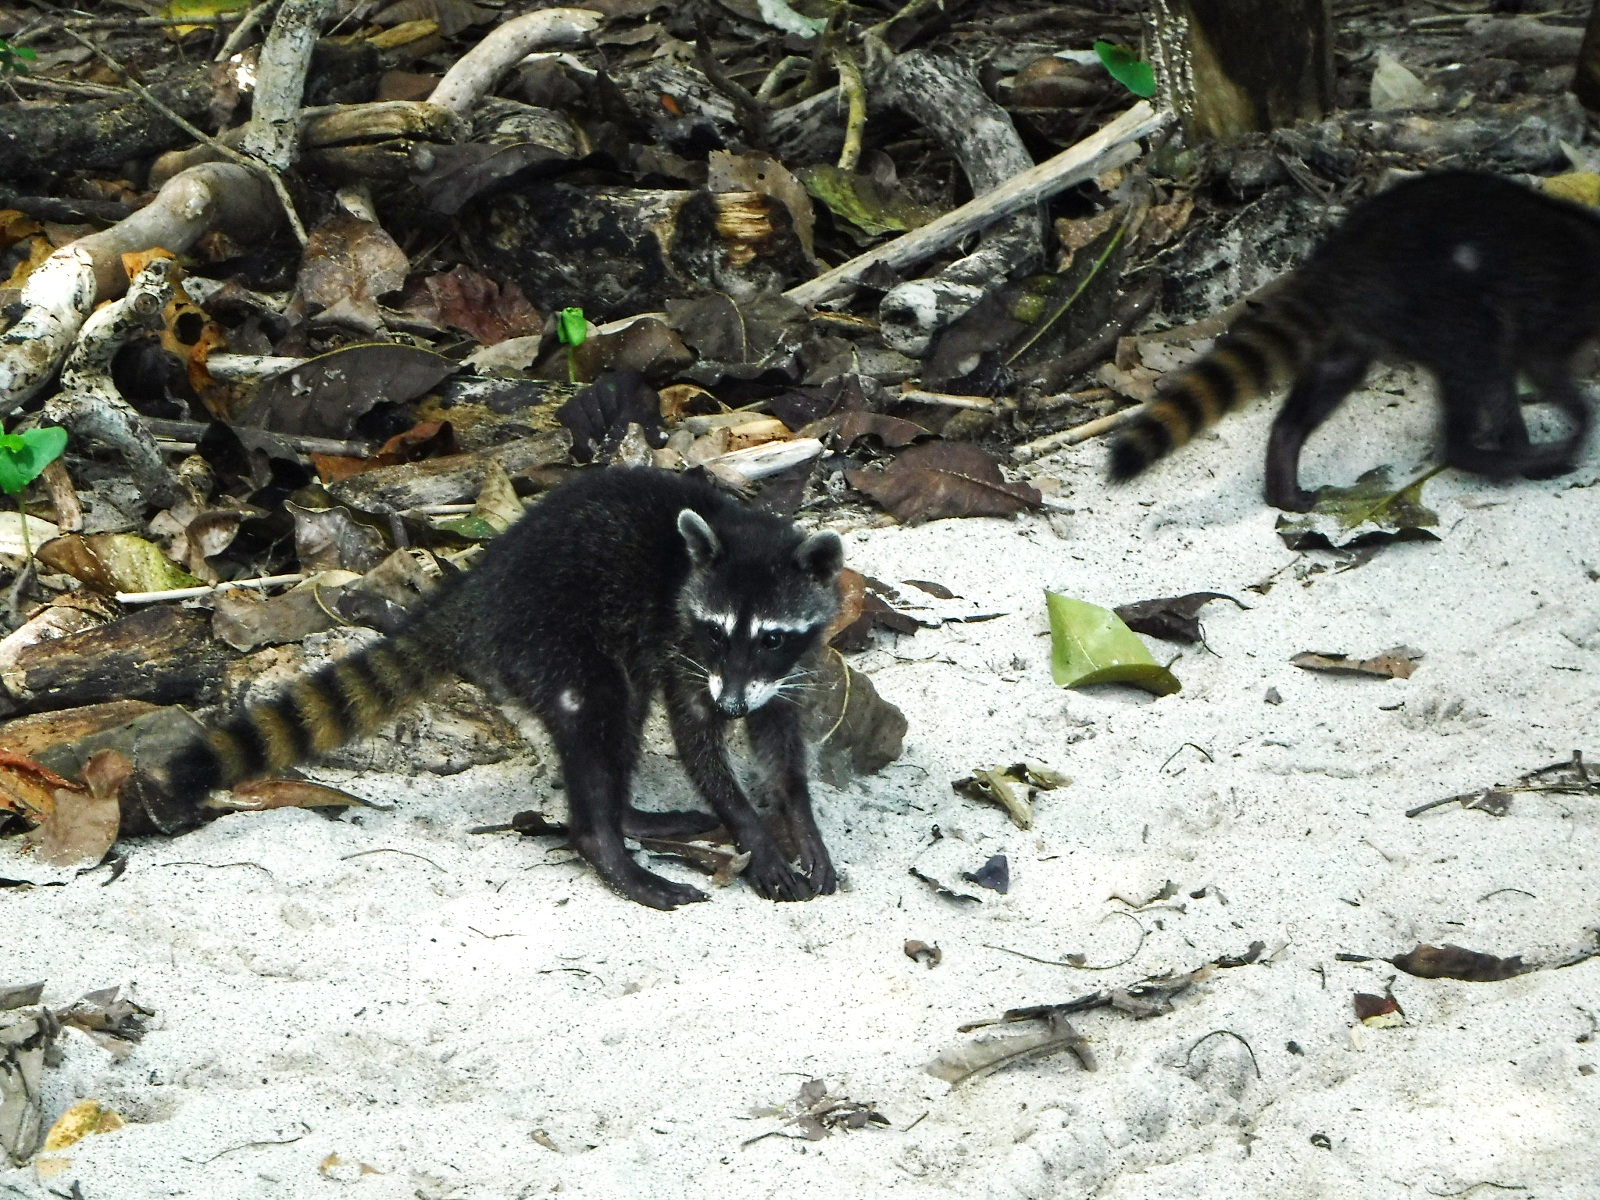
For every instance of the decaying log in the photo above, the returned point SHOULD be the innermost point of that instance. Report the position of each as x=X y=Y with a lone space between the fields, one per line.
x=163 y=655
x=449 y=480
x=942 y=93
x=1586 y=83
x=616 y=251
x=60 y=293
x=1231 y=67
x=38 y=140
x=1112 y=145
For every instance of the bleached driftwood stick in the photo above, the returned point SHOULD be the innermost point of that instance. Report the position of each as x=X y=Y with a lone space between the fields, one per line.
x=90 y=406
x=1109 y=147
x=476 y=71
x=194 y=593
x=1039 y=447
x=59 y=295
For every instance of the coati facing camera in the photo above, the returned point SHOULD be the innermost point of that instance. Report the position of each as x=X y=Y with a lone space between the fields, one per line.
x=620 y=584
x=1471 y=276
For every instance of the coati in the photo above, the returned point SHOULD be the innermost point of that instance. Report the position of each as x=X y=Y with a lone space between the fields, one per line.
x=1471 y=276
x=618 y=585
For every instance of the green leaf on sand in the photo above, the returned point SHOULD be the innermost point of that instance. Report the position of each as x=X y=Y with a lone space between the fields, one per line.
x=1372 y=510
x=1089 y=644
x=1127 y=68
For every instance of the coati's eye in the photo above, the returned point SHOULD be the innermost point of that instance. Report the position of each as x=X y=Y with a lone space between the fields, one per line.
x=712 y=633
x=774 y=639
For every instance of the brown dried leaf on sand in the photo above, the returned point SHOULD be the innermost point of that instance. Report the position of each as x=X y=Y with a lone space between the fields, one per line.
x=943 y=479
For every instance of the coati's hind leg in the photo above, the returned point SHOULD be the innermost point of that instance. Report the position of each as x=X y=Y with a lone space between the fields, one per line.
x=596 y=732
x=774 y=731
x=1556 y=386
x=698 y=732
x=1317 y=391
x=1483 y=427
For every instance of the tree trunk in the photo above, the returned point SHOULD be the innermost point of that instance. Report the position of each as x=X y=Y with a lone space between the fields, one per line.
x=1231 y=67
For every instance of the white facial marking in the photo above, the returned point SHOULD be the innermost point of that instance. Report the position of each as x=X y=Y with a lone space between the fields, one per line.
x=714 y=685
x=758 y=692
x=727 y=620
x=760 y=625
x=1466 y=257
x=568 y=701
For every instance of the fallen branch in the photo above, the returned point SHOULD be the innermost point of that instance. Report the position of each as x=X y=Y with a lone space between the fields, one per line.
x=1111 y=146
x=89 y=405
x=273 y=136
x=62 y=291
x=476 y=71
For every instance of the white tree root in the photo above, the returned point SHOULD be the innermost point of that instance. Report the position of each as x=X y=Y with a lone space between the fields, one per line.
x=60 y=294
x=476 y=71
x=89 y=405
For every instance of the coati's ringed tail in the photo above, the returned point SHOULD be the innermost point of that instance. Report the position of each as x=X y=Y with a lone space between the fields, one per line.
x=313 y=715
x=1261 y=352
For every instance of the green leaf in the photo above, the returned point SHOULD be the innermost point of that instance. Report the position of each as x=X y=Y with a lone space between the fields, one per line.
x=863 y=201
x=1372 y=510
x=23 y=456
x=1127 y=68
x=571 y=329
x=1089 y=644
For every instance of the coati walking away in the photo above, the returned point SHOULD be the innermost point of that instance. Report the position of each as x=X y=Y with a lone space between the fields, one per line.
x=621 y=584
x=1475 y=278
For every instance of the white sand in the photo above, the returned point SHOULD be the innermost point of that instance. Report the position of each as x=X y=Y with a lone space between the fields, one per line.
x=425 y=1012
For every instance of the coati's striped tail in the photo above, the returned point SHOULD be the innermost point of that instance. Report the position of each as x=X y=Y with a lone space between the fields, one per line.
x=310 y=716
x=1262 y=351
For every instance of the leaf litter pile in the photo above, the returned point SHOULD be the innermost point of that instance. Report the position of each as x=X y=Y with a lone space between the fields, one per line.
x=677 y=236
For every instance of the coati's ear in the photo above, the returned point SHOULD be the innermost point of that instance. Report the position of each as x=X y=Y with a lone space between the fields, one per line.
x=698 y=537
x=821 y=555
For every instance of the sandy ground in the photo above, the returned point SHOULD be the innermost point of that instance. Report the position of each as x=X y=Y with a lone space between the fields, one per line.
x=476 y=1017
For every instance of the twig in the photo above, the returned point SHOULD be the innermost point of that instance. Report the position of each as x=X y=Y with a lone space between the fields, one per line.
x=199 y=135
x=1109 y=147
x=855 y=125
x=243 y=29
x=1235 y=1037
x=945 y=399
x=390 y=850
x=192 y=593
x=181 y=430
x=1039 y=447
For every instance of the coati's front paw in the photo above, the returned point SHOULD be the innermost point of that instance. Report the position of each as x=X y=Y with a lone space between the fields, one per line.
x=775 y=879
x=818 y=867
x=652 y=890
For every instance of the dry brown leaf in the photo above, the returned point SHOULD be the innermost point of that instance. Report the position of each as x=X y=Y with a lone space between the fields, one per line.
x=944 y=479
x=84 y=823
x=1396 y=663
x=1454 y=962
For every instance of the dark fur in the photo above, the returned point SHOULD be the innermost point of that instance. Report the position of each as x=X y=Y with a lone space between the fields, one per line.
x=581 y=613
x=1471 y=276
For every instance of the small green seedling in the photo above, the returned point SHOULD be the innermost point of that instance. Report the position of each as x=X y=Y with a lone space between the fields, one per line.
x=571 y=330
x=14 y=59
x=1127 y=68
x=23 y=456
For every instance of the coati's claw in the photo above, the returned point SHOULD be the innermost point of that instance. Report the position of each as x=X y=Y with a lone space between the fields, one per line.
x=819 y=870
x=774 y=879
